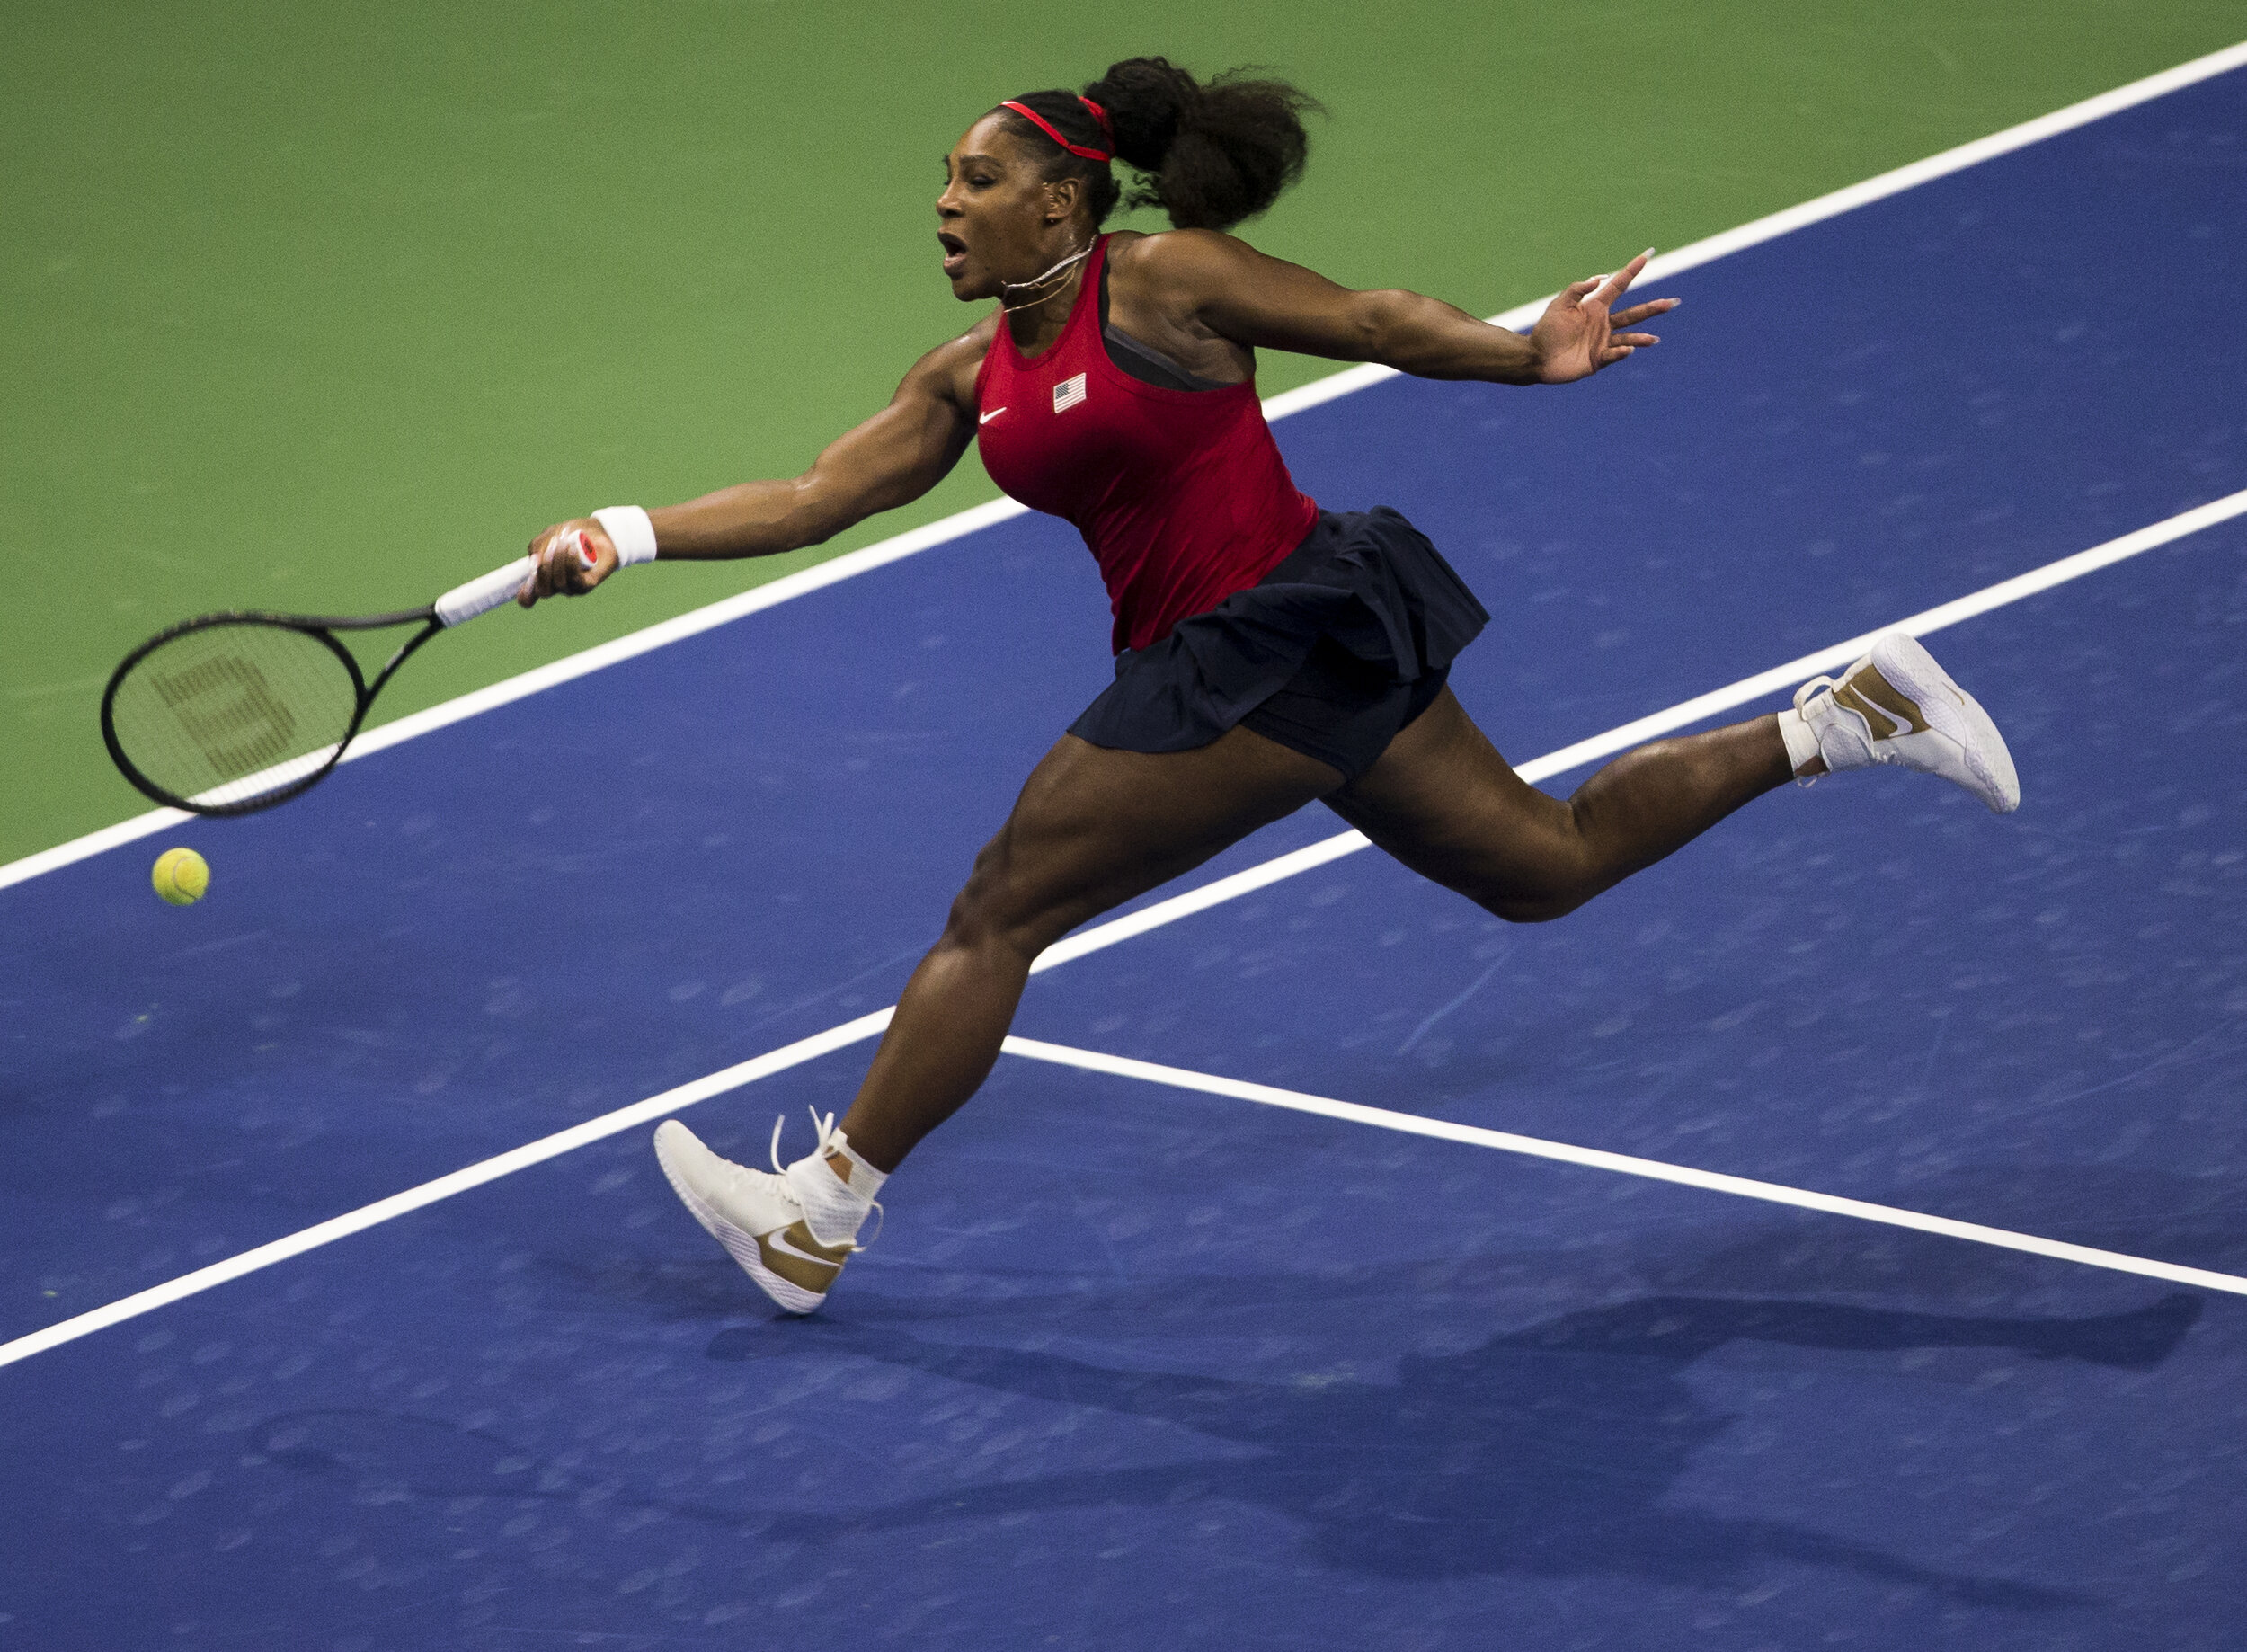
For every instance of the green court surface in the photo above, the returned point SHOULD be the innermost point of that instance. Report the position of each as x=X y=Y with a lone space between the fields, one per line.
x=326 y=309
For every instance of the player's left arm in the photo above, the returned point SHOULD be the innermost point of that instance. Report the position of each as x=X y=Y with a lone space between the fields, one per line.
x=1261 y=301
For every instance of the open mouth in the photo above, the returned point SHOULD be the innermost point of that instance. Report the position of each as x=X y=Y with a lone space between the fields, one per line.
x=955 y=252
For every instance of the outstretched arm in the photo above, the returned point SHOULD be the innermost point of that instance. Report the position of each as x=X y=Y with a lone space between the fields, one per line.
x=1243 y=295
x=889 y=460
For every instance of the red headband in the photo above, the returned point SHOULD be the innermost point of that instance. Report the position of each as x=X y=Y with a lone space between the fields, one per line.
x=1053 y=132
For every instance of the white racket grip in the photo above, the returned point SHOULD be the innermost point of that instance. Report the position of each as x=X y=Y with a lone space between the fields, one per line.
x=464 y=602
x=482 y=595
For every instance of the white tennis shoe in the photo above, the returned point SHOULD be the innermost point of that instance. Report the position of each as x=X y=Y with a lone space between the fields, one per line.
x=1897 y=705
x=759 y=1216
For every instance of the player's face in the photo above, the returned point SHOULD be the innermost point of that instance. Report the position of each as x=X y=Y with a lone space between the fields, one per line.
x=991 y=219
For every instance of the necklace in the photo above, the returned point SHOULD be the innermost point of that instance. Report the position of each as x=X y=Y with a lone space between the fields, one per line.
x=1066 y=264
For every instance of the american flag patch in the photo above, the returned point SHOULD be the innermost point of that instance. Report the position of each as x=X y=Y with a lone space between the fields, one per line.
x=1068 y=393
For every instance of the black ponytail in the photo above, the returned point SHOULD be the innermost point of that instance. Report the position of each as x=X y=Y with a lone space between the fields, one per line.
x=1213 y=155
x=1209 y=155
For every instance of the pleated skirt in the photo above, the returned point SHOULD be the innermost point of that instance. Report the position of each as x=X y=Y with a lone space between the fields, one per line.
x=1333 y=653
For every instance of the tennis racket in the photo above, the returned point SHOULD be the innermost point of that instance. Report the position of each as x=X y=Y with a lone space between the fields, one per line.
x=234 y=713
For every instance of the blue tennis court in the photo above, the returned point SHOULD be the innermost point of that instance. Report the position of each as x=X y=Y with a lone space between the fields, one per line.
x=1137 y=1365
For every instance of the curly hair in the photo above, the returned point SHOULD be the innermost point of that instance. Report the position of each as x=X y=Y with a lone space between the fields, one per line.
x=1210 y=154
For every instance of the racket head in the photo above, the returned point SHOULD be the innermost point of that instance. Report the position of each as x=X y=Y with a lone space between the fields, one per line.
x=229 y=713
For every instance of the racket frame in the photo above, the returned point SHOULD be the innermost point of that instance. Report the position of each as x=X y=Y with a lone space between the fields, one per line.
x=323 y=627
x=456 y=606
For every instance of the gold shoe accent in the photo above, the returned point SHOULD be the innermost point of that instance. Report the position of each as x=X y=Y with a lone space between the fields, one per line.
x=1885 y=709
x=795 y=1255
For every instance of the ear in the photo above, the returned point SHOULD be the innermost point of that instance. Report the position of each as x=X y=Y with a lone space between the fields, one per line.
x=1062 y=198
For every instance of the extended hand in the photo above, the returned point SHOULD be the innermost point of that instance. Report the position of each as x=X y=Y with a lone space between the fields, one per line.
x=1578 y=334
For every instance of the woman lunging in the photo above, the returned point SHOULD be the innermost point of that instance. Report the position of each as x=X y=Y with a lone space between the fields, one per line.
x=1268 y=652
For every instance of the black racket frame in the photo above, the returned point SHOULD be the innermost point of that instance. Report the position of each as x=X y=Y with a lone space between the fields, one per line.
x=325 y=629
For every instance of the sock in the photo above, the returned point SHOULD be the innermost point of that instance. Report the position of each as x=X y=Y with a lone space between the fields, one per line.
x=864 y=1178
x=1802 y=745
x=834 y=1208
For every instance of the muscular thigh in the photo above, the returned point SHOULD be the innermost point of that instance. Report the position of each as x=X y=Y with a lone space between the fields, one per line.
x=1445 y=804
x=1095 y=827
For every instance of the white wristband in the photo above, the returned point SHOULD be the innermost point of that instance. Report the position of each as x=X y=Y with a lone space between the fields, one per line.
x=630 y=531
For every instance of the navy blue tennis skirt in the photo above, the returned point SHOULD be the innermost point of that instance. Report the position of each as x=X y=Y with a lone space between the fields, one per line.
x=1331 y=653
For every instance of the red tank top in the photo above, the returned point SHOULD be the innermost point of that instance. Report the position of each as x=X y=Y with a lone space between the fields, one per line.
x=1181 y=496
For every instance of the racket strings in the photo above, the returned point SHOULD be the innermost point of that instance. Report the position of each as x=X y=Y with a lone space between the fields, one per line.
x=225 y=715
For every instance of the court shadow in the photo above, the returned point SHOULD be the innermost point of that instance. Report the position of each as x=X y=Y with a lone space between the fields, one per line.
x=1549 y=1451
x=381 y=1457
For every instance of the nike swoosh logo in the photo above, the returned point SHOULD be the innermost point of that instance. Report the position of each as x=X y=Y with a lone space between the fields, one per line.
x=784 y=1240
x=988 y=417
x=1880 y=722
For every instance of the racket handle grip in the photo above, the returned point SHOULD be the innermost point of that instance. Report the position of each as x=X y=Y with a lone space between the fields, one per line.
x=464 y=602
x=482 y=595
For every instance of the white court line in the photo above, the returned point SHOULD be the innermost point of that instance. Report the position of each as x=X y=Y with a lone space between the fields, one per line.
x=1334 y=385
x=1624 y=1164
x=1078 y=945
x=444 y=1187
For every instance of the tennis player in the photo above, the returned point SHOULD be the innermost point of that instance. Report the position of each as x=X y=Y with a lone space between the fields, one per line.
x=1268 y=652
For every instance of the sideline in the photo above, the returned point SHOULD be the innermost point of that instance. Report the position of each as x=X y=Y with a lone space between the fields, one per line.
x=1622 y=1164
x=1104 y=935
x=1334 y=385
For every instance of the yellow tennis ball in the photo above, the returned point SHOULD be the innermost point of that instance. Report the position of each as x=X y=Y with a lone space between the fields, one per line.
x=180 y=876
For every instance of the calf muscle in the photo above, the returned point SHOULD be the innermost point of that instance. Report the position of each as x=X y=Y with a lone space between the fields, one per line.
x=1443 y=802
x=1092 y=829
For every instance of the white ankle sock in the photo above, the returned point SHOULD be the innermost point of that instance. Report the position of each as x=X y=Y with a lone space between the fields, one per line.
x=1802 y=745
x=864 y=1178
x=834 y=1208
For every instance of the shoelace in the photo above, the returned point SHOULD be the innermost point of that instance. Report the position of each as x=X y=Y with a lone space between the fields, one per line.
x=825 y=1130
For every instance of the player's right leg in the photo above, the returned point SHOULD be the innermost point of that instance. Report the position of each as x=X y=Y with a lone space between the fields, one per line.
x=1092 y=829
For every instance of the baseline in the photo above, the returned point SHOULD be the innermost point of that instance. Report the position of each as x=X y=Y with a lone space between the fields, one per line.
x=1622 y=1164
x=1331 y=387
